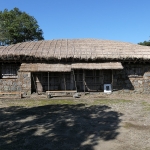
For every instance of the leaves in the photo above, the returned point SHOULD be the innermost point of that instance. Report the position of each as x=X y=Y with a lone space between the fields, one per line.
x=17 y=26
x=145 y=43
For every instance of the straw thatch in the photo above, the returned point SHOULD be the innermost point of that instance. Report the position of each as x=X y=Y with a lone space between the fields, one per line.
x=92 y=66
x=82 y=49
x=41 y=67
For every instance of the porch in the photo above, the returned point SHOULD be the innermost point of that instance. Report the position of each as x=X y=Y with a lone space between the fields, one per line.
x=79 y=77
x=76 y=80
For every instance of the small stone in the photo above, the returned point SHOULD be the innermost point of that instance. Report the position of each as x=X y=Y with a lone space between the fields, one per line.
x=25 y=75
x=19 y=83
x=13 y=88
x=139 y=90
x=145 y=77
x=24 y=85
x=147 y=74
x=14 y=83
x=29 y=93
x=6 y=88
x=127 y=91
x=4 y=82
x=18 y=88
x=139 y=81
x=76 y=95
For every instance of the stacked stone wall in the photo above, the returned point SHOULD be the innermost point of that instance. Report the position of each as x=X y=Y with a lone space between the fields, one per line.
x=133 y=78
x=21 y=83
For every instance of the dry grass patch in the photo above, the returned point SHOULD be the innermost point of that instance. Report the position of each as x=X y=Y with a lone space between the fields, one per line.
x=146 y=106
x=39 y=102
x=136 y=126
x=43 y=102
x=110 y=101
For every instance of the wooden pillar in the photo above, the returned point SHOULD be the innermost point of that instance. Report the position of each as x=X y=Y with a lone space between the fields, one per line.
x=112 y=81
x=34 y=82
x=64 y=82
x=48 y=81
x=38 y=83
x=75 y=80
x=71 y=81
x=84 y=81
x=103 y=80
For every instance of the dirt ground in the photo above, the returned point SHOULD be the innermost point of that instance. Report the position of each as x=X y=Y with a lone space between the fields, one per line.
x=92 y=122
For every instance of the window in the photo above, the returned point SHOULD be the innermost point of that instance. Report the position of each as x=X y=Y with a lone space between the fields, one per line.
x=135 y=71
x=9 y=70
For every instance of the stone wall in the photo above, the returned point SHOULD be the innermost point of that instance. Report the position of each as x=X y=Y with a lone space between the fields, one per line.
x=21 y=83
x=134 y=78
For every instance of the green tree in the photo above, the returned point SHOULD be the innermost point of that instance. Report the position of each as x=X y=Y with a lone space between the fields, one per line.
x=17 y=26
x=145 y=43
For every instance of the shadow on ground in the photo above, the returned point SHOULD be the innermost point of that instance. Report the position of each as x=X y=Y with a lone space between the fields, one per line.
x=57 y=127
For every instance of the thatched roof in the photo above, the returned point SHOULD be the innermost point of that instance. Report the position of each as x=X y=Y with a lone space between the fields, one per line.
x=81 y=49
x=41 y=67
x=93 y=66
x=38 y=67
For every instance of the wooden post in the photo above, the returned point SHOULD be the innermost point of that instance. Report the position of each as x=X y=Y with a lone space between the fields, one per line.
x=103 y=79
x=34 y=83
x=71 y=81
x=112 y=81
x=75 y=80
x=84 y=81
x=38 y=83
x=64 y=82
x=48 y=81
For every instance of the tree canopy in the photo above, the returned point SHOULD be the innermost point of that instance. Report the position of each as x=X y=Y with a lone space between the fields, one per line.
x=17 y=26
x=145 y=43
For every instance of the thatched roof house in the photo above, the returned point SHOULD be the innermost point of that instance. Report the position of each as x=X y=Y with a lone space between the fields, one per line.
x=75 y=64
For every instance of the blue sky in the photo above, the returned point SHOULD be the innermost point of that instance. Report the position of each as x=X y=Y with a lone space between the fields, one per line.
x=121 y=20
